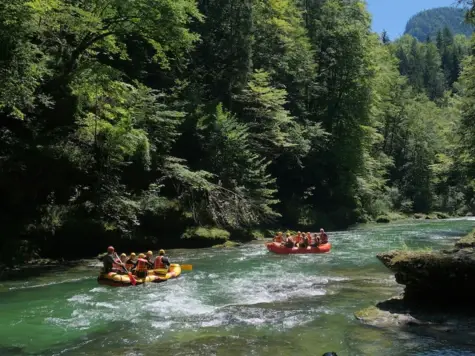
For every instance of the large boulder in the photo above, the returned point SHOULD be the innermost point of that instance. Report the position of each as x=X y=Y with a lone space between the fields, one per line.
x=445 y=276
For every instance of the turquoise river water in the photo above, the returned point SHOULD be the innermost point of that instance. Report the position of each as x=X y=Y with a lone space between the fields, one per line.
x=238 y=301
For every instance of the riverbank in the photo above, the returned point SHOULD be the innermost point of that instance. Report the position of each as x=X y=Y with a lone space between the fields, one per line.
x=192 y=238
x=399 y=216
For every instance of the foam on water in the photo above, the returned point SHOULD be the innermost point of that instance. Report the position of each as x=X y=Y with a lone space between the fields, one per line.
x=229 y=292
x=52 y=283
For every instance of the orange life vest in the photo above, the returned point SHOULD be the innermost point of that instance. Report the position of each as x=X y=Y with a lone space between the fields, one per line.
x=116 y=265
x=298 y=238
x=309 y=238
x=158 y=263
x=278 y=238
x=142 y=265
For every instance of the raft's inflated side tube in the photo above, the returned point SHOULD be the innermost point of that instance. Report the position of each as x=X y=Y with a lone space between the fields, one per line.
x=156 y=276
x=278 y=248
x=164 y=274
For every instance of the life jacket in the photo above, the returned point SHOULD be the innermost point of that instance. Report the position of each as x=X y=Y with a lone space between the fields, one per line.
x=298 y=238
x=278 y=238
x=142 y=265
x=116 y=264
x=158 y=263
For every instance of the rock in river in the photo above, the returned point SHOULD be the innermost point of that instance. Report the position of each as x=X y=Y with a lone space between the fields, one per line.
x=436 y=277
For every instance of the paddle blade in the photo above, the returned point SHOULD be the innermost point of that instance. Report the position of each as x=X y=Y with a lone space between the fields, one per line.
x=186 y=267
x=132 y=279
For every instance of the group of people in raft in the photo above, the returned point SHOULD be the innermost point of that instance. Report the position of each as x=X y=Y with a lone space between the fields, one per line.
x=302 y=240
x=138 y=265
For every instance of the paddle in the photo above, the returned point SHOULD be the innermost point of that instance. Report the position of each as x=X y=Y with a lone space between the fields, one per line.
x=133 y=281
x=186 y=267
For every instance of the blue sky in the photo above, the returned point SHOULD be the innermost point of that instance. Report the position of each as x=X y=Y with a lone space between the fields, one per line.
x=392 y=15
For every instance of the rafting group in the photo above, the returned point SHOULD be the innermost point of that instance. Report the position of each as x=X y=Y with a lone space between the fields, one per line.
x=300 y=243
x=132 y=270
x=127 y=270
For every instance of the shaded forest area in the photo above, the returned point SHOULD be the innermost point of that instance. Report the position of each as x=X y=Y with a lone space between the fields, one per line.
x=162 y=122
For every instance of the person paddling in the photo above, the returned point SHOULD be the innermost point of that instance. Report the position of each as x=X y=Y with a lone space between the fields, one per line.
x=110 y=261
x=131 y=261
x=162 y=261
x=149 y=257
x=141 y=269
x=323 y=237
x=279 y=238
x=289 y=243
x=314 y=242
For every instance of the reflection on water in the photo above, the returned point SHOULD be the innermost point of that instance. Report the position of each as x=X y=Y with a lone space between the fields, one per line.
x=240 y=301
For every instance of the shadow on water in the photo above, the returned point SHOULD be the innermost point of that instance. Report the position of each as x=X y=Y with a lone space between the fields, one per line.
x=37 y=270
x=451 y=324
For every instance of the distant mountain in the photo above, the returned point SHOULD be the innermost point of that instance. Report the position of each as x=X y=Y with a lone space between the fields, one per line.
x=429 y=22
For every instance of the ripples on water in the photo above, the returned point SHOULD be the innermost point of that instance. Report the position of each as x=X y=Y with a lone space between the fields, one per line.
x=242 y=301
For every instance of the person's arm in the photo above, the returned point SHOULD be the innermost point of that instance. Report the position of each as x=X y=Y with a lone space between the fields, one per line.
x=109 y=259
x=166 y=261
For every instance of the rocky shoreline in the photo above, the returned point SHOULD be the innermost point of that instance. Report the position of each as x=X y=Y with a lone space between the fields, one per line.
x=439 y=291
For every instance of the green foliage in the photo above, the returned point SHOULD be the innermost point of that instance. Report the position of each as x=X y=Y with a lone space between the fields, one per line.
x=133 y=122
x=427 y=23
x=383 y=219
x=206 y=233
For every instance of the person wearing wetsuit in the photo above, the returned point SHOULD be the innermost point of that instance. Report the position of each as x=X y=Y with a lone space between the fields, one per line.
x=305 y=240
x=288 y=242
x=109 y=260
x=323 y=237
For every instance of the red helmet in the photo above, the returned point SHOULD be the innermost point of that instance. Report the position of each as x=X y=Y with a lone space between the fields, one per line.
x=110 y=249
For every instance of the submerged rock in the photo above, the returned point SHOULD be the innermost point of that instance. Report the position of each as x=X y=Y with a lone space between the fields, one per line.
x=452 y=324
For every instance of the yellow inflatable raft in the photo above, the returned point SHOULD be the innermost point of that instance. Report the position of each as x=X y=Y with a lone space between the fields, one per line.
x=154 y=276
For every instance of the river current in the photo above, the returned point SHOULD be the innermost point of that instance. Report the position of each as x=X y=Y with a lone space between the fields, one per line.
x=237 y=301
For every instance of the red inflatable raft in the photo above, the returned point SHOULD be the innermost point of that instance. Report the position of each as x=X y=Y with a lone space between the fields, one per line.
x=278 y=248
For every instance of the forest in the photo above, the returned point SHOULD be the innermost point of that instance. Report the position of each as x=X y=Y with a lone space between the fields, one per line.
x=427 y=23
x=169 y=122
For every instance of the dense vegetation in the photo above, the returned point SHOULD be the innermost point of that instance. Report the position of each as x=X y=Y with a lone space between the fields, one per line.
x=427 y=23
x=135 y=121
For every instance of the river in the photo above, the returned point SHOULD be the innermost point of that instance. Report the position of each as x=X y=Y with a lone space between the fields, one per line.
x=238 y=301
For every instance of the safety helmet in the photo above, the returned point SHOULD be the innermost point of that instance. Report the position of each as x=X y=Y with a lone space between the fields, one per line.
x=141 y=255
x=149 y=253
x=161 y=252
x=123 y=255
x=133 y=254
